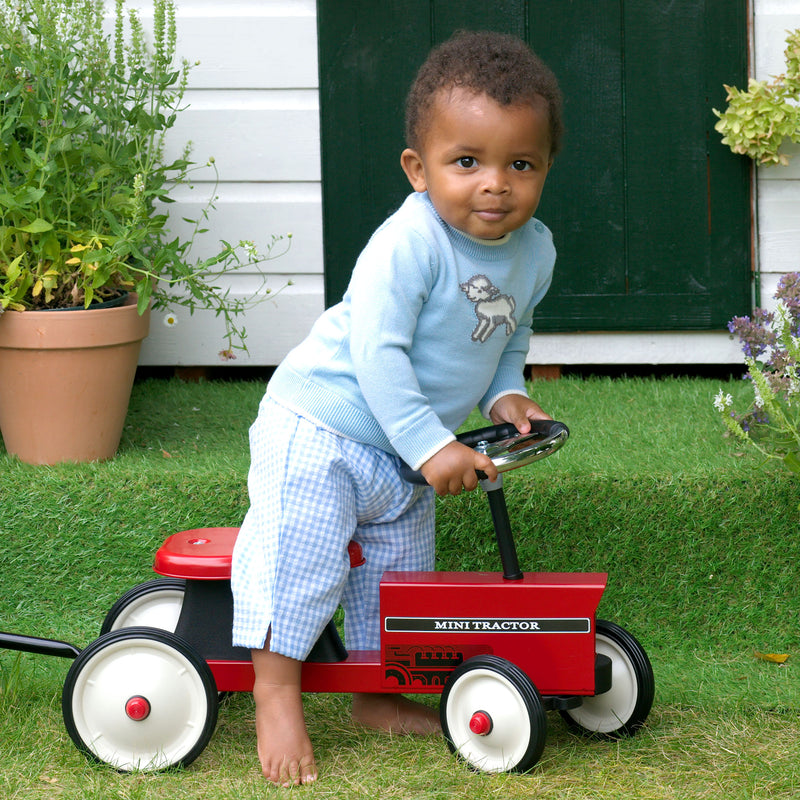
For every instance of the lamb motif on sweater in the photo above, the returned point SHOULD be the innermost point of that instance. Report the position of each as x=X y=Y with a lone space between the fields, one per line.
x=492 y=308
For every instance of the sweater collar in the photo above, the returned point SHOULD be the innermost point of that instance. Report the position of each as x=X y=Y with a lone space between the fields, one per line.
x=472 y=246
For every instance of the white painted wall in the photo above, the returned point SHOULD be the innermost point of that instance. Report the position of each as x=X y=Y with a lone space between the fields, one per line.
x=778 y=188
x=254 y=107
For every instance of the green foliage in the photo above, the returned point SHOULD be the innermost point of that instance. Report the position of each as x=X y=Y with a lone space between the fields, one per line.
x=83 y=174
x=757 y=122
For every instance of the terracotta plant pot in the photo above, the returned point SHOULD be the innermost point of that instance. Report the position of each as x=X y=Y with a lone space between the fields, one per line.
x=66 y=379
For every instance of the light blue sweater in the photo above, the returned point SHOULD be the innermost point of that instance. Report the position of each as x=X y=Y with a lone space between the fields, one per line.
x=432 y=324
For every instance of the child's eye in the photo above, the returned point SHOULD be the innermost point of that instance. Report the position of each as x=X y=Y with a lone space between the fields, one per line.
x=521 y=166
x=466 y=162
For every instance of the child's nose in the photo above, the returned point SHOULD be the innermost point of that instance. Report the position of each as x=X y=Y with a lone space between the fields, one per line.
x=495 y=181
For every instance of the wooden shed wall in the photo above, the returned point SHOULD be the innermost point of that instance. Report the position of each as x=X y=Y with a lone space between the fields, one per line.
x=778 y=196
x=254 y=108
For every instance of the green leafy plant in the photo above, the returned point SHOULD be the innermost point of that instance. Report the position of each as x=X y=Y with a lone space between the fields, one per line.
x=758 y=121
x=771 y=346
x=83 y=174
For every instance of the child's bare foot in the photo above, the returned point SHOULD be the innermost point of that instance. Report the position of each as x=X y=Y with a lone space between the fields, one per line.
x=395 y=713
x=284 y=748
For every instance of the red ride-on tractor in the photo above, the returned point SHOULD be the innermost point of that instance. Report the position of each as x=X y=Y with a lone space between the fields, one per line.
x=500 y=648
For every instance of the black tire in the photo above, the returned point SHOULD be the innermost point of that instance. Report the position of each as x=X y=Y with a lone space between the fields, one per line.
x=503 y=694
x=175 y=698
x=153 y=604
x=623 y=709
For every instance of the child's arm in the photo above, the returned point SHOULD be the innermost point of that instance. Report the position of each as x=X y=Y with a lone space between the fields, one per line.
x=517 y=409
x=453 y=468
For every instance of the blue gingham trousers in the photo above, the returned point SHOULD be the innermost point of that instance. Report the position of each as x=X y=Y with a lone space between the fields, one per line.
x=311 y=492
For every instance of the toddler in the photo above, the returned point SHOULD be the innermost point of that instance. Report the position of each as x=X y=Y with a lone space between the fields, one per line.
x=435 y=321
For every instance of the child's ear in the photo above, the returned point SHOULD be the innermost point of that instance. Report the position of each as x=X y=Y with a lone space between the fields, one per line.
x=411 y=162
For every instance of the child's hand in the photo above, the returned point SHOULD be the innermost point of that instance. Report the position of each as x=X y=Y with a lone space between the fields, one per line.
x=518 y=410
x=453 y=468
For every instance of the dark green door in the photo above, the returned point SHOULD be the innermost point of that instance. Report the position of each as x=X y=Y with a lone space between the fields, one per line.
x=650 y=213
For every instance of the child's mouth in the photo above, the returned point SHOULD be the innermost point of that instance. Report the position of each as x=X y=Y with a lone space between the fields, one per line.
x=492 y=214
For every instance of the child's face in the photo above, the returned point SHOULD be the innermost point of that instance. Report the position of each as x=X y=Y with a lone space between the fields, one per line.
x=483 y=165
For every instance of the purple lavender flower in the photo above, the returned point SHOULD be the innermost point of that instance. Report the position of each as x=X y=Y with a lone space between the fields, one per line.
x=755 y=334
x=789 y=290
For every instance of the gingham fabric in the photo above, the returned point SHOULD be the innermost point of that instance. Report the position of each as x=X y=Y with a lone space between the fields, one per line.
x=311 y=492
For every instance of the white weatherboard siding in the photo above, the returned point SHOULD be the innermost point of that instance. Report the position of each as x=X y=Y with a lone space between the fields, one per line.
x=254 y=108
x=778 y=192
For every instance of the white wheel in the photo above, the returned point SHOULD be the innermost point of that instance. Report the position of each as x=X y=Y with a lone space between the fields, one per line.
x=153 y=604
x=623 y=709
x=140 y=699
x=492 y=716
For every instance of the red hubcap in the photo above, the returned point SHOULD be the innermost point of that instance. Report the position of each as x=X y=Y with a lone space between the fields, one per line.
x=137 y=708
x=481 y=723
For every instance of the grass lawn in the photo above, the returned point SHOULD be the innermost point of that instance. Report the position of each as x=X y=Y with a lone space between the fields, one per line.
x=700 y=543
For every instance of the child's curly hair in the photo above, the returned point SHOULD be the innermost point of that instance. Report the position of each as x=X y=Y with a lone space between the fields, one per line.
x=497 y=64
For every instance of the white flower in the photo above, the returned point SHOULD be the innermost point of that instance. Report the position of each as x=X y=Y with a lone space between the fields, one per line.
x=794 y=381
x=250 y=248
x=722 y=401
x=170 y=320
